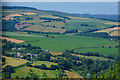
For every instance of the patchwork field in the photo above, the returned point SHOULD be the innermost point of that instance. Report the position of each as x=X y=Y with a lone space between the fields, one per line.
x=86 y=24
x=29 y=13
x=55 y=23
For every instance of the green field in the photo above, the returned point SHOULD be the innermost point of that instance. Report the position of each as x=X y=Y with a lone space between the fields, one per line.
x=48 y=64
x=24 y=70
x=62 y=42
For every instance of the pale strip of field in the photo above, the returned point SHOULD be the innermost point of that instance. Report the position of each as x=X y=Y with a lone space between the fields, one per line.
x=49 y=29
x=72 y=74
x=6 y=18
x=56 y=53
x=49 y=16
x=108 y=30
x=12 y=15
x=29 y=13
x=93 y=57
x=113 y=23
x=13 y=61
x=13 y=40
x=78 y=17
x=35 y=28
x=115 y=33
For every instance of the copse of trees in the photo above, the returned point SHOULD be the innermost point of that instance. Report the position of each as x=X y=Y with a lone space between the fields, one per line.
x=42 y=66
x=3 y=60
x=51 y=19
x=112 y=73
x=7 y=71
x=44 y=57
x=8 y=25
x=65 y=17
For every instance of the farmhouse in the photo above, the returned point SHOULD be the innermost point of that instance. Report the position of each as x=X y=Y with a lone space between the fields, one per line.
x=19 y=55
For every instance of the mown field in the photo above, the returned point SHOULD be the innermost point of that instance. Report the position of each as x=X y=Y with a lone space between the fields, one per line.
x=62 y=42
x=14 y=61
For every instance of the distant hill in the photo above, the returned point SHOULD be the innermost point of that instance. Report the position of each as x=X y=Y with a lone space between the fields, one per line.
x=18 y=7
x=20 y=18
x=99 y=16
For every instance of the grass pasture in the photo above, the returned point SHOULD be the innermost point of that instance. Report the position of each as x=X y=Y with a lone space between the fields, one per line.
x=114 y=33
x=35 y=28
x=72 y=74
x=55 y=23
x=48 y=64
x=62 y=42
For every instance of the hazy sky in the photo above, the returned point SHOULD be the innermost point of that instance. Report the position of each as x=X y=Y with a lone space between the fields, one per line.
x=60 y=0
x=71 y=7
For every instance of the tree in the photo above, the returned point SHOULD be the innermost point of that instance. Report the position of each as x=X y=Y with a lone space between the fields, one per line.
x=103 y=46
x=31 y=75
x=53 y=26
x=4 y=41
x=53 y=67
x=43 y=66
x=7 y=71
x=64 y=64
x=63 y=28
x=28 y=32
x=3 y=60
x=29 y=64
x=46 y=35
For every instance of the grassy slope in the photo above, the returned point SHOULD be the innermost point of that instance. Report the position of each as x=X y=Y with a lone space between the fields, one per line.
x=63 y=42
x=93 y=57
x=24 y=70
